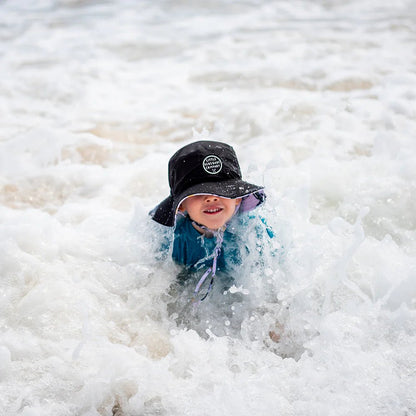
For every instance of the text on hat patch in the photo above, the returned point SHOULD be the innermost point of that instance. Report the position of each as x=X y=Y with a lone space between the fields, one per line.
x=212 y=164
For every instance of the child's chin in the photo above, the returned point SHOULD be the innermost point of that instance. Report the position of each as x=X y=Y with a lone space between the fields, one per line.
x=213 y=224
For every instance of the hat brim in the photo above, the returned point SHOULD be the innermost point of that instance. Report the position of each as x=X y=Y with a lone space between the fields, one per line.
x=165 y=212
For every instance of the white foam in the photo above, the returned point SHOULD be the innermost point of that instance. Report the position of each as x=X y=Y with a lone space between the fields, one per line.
x=318 y=101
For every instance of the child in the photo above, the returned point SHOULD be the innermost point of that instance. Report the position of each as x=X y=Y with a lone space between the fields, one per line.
x=207 y=195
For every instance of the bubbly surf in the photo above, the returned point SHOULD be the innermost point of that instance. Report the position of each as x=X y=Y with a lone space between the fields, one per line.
x=317 y=98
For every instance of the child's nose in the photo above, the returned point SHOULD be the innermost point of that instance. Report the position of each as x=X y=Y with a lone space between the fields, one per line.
x=211 y=198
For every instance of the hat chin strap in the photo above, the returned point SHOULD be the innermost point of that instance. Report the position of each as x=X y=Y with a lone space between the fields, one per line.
x=208 y=232
x=219 y=234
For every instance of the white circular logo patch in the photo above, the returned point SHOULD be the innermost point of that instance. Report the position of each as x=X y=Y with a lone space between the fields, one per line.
x=212 y=164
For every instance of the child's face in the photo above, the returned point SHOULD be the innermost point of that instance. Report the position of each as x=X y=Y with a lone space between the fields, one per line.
x=210 y=210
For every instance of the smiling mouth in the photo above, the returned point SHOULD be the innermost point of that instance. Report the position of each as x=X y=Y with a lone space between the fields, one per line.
x=212 y=211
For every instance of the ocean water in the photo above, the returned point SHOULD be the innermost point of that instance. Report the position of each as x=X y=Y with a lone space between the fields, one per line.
x=318 y=100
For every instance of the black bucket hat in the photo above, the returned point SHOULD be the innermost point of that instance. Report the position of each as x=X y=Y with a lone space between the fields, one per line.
x=205 y=167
